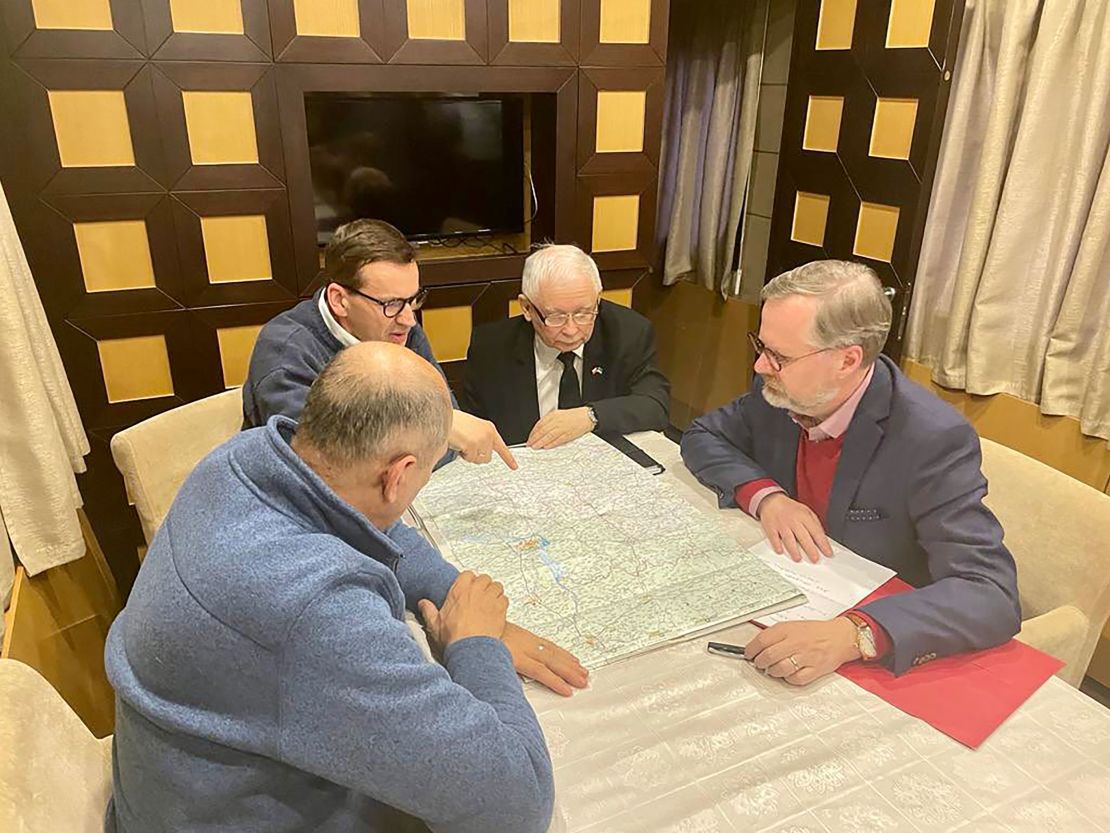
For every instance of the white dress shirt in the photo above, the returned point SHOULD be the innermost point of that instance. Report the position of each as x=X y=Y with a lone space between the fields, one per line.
x=334 y=327
x=549 y=372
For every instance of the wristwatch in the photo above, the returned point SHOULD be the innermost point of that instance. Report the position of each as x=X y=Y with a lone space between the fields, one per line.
x=593 y=416
x=865 y=639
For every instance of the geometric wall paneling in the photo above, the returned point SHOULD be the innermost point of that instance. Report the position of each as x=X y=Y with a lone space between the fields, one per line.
x=74 y=28
x=616 y=217
x=861 y=133
x=436 y=31
x=620 y=119
x=448 y=318
x=533 y=32
x=236 y=247
x=624 y=32
x=125 y=368
x=217 y=30
x=93 y=125
x=332 y=31
x=220 y=125
x=226 y=335
x=554 y=99
x=107 y=254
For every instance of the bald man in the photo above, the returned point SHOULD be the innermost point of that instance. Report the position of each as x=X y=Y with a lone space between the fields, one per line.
x=265 y=678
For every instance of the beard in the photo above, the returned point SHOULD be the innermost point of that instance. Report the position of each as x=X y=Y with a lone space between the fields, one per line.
x=777 y=397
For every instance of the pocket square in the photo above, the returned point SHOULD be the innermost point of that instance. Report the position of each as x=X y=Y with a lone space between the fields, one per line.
x=858 y=514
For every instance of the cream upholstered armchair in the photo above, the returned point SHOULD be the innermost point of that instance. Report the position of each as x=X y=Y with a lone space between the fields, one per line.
x=157 y=455
x=54 y=775
x=1059 y=532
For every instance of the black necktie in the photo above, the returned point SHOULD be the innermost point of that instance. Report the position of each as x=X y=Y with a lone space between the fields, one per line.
x=569 y=394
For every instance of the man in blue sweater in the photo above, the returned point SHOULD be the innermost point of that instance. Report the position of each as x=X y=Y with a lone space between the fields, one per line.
x=265 y=678
x=372 y=294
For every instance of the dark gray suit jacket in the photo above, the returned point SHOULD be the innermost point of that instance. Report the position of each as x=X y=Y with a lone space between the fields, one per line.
x=908 y=493
x=620 y=377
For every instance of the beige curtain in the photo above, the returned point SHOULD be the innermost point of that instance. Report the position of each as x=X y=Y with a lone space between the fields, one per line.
x=42 y=442
x=715 y=54
x=1013 y=284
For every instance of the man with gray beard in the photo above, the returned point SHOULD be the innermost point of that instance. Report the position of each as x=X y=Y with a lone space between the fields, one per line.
x=834 y=441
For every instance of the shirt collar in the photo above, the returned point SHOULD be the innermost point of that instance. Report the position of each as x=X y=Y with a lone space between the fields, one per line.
x=836 y=423
x=547 y=356
x=334 y=327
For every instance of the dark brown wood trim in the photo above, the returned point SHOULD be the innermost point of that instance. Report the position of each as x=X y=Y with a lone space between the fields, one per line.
x=408 y=50
x=125 y=40
x=171 y=78
x=503 y=51
x=167 y=45
x=594 y=53
x=590 y=82
x=611 y=184
x=372 y=47
x=189 y=207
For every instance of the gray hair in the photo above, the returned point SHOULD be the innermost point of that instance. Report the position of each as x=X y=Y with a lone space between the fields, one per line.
x=553 y=263
x=352 y=416
x=851 y=305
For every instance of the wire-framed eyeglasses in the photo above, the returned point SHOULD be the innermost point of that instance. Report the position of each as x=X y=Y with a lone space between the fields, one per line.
x=559 y=319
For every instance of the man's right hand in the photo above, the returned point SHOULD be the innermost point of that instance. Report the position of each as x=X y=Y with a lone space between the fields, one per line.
x=475 y=606
x=477 y=439
x=793 y=527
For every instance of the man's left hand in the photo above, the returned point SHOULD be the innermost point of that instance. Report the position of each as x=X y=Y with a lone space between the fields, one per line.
x=544 y=661
x=560 y=427
x=801 y=652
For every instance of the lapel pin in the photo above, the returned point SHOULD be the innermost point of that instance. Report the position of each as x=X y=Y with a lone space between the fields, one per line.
x=597 y=371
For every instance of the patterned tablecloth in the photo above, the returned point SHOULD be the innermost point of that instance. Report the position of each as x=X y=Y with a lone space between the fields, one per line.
x=682 y=740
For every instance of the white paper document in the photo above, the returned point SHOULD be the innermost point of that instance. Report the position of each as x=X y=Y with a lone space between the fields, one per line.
x=832 y=585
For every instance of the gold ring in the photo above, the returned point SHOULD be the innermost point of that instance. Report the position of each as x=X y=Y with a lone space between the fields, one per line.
x=794 y=662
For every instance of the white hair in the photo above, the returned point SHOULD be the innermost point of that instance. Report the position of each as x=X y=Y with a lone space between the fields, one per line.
x=851 y=305
x=554 y=264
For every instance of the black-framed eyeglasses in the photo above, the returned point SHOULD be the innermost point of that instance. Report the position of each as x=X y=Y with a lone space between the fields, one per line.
x=392 y=307
x=777 y=360
x=559 y=319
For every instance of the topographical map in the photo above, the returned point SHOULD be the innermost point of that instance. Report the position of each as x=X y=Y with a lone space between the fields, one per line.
x=595 y=553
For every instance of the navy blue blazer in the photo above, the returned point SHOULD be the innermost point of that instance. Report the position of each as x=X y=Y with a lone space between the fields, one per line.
x=908 y=493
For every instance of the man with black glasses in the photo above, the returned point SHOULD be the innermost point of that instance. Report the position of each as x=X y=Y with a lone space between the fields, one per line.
x=372 y=294
x=571 y=364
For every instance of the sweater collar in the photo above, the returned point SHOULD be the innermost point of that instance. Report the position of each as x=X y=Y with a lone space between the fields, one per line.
x=284 y=481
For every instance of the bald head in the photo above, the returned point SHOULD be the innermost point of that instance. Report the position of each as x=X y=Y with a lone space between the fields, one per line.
x=376 y=401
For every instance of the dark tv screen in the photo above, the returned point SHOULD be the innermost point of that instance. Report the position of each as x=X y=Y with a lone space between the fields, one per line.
x=432 y=166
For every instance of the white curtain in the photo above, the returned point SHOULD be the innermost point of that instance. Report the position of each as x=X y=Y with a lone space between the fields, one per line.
x=42 y=442
x=715 y=54
x=1013 y=283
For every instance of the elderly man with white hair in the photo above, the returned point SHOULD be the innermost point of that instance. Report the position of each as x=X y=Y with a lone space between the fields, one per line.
x=572 y=364
x=833 y=441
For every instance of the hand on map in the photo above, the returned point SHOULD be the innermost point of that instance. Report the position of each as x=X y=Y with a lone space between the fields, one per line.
x=475 y=606
x=548 y=665
x=477 y=439
x=560 y=427
x=793 y=527
x=801 y=652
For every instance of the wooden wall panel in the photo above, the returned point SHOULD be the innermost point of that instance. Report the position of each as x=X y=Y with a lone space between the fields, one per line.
x=865 y=108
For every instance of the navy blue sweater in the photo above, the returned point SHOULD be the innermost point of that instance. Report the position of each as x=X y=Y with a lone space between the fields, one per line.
x=289 y=354
x=266 y=681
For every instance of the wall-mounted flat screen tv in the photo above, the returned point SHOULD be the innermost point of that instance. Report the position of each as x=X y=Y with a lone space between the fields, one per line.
x=432 y=165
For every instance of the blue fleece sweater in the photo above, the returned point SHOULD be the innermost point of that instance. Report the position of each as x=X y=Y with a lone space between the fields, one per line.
x=289 y=354
x=265 y=680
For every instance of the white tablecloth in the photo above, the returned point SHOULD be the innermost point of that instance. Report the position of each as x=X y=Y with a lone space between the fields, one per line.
x=682 y=740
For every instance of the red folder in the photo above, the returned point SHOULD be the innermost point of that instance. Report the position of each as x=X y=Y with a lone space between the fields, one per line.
x=966 y=696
